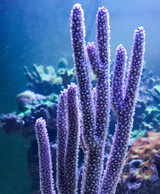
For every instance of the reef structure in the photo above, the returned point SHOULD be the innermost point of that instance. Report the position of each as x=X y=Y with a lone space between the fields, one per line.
x=85 y=121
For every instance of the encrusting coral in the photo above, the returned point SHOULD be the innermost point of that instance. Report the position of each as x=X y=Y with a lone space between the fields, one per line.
x=147 y=150
x=92 y=110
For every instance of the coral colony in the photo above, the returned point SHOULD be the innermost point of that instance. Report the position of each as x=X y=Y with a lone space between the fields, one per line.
x=84 y=120
x=147 y=150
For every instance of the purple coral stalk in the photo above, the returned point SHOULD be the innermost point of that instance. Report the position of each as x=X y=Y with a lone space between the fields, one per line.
x=95 y=115
x=45 y=163
x=83 y=71
x=68 y=133
x=62 y=127
x=123 y=102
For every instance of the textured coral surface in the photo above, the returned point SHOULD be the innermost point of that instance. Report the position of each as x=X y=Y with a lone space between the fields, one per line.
x=147 y=150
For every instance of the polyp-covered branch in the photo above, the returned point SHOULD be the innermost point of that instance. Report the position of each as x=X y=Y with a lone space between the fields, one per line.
x=68 y=133
x=45 y=163
x=103 y=77
x=83 y=73
x=118 y=79
x=62 y=126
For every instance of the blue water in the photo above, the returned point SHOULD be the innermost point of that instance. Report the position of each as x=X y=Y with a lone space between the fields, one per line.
x=39 y=32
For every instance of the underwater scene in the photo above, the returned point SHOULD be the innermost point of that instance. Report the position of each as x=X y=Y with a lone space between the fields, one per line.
x=80 y=97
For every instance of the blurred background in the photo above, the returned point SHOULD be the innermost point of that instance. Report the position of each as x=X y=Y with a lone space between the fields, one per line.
x=39 y=32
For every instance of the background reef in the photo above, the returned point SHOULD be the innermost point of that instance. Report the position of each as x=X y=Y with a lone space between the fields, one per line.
x=141 y=171
x=37 y=32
